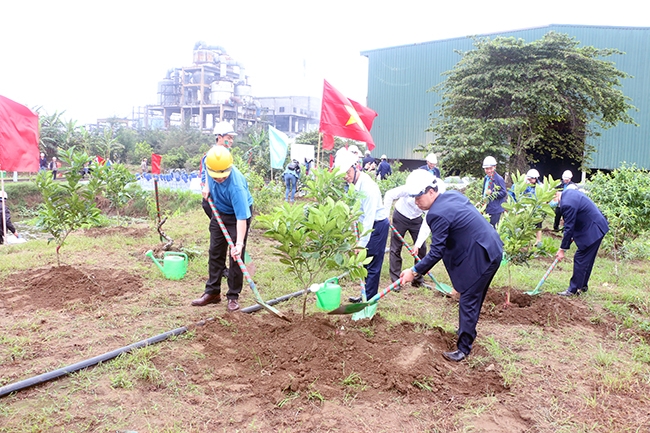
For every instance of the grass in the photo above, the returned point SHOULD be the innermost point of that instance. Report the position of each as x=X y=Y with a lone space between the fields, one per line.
x=526 y=357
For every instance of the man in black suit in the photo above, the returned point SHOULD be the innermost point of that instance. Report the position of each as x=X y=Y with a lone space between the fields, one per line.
x=468 y=245
x=585 y=225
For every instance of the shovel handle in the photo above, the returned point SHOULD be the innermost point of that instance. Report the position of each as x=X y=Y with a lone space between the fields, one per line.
x=418 y=259
x=548 y=272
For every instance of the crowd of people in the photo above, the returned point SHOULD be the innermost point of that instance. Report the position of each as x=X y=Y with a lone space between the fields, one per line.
x=459 y=234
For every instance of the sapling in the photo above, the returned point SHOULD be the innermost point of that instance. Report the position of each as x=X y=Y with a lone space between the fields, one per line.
x=319 y=238
x=517 y=226
x=69 y=204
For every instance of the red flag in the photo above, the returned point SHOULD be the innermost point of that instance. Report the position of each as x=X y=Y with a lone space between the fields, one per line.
x=328 y=141
x=18 y=137
x=345 y=118
x=155 y=163
x=100 y=160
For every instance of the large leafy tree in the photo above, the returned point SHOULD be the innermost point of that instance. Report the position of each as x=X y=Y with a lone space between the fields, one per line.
x=513 y=100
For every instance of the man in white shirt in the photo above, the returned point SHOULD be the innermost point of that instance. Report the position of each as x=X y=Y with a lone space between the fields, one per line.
x=407 y=218
x=374 y=218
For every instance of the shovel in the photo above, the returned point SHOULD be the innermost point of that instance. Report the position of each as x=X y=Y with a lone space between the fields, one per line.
x=443 y=288
x=539 y=285
x=354 y=308
x=241 y=264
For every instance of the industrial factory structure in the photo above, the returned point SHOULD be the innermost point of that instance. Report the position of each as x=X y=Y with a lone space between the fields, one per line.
x=215 y=88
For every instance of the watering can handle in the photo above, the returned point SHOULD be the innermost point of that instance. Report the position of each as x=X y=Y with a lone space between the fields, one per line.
x=175 y=253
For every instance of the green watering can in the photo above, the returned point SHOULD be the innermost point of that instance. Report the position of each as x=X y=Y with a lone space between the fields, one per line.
x=174 y=265
x=328 y=297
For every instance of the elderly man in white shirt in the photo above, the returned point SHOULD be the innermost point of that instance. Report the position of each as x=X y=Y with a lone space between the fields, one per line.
x=374 y=218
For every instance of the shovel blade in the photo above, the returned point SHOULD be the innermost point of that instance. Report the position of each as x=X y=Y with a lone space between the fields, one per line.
x=366 y=313
x=350 y=308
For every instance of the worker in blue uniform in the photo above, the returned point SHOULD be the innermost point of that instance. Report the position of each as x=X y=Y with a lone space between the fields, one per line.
x=468 y=246
x=494 y=189
x=585 y=225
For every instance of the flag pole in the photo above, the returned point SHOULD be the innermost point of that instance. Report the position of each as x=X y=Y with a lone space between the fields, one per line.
x=320 y=134
x=4 y=204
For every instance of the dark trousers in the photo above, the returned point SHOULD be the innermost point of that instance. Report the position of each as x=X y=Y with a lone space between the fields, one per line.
x=558 y=217
x=217 y=255
x=376 y=249
x=494 y=219
x=469 y=307
x=583 y=263
x=403 y=225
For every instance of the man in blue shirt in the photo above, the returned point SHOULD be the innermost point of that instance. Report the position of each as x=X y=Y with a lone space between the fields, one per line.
x=494 y=189
x=431 y=165
x=383 y=169
x=228 y=189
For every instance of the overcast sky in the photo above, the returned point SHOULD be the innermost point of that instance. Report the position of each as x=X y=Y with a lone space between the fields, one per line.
x=100 y=59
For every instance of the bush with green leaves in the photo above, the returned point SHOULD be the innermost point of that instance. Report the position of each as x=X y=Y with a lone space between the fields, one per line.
x=316 y=240
x=523 y=211
x=113 y=181
x=623 y=196
x=69 y=204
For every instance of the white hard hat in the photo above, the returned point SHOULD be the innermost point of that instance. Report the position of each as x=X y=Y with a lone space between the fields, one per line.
x=354 y=149
x=3 y=194
x=418 y=181
x=432 y=158
x=383 y=157
x=344 y=160
x=533 y=174
x=224 y=128
x=567 y=174
x=489 y=161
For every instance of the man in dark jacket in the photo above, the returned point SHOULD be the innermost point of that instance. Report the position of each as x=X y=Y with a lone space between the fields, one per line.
x=4 y=213
x=494 y=189
x=585 y=225
x=470 y=249
x=383 y=169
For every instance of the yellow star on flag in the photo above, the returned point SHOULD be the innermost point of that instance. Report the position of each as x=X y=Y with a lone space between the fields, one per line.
x=354 y=117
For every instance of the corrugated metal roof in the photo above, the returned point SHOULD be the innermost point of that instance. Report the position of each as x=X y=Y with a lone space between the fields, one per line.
x=399 y=80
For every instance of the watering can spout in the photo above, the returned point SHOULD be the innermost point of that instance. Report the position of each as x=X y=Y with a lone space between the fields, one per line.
x=155 y=260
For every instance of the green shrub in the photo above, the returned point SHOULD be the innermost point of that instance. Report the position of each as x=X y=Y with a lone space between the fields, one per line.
x=623 y=196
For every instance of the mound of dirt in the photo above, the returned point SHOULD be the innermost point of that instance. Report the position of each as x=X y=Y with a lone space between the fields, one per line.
x=334 y=359
x=545 y=309
x=53 y=288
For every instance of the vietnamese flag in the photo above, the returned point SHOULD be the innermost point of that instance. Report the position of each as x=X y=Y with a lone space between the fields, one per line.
x=18 y=137
x=155 y=163
x=345 y=118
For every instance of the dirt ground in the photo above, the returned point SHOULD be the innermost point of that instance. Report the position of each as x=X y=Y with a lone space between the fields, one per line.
x=255 y=372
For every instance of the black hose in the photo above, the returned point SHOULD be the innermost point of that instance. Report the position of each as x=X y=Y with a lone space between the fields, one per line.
x=36 y=380
x=42 y=378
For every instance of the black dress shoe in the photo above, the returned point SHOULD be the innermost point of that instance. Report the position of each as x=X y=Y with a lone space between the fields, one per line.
x=355 y=299
x=455 y=356
x=567 y=293
x=207 y=299
x=583 y=290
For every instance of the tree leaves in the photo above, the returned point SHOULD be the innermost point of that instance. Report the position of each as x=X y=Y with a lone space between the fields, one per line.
x=509 y=99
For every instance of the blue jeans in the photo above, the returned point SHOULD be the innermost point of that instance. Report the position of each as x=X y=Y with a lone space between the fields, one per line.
x=290 y=180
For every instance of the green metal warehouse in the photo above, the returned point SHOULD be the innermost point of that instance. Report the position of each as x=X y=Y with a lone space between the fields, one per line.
x=399 y=80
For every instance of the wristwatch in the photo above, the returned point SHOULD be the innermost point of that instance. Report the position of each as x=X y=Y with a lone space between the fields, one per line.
x=416 y=274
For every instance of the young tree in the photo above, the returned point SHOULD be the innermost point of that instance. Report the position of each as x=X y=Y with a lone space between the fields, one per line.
x=319 y=238
x=67 y=205
x=511 y=99
x=112 y=181
x=517 y=226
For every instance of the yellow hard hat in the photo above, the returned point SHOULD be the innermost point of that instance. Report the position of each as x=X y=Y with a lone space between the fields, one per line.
x=218 y=162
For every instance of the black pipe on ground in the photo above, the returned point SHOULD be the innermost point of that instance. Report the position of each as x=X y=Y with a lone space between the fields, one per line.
x=45 y=377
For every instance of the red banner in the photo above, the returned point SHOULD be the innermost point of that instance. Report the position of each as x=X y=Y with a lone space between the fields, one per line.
x=345 y=118
x=155 y=163
x=18 y=137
